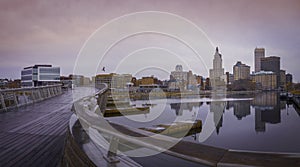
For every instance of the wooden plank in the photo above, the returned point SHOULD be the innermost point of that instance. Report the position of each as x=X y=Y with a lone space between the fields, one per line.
x=43 y=153
x=26 y=150
x=52 y=151
x=33 y=135
x=21 y=148
x=12 y=140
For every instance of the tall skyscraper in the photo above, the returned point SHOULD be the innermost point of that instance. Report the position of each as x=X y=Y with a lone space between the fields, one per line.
x=241 y=71
x=282 y=79
x=258 y=54
x=272 y=63
x=289 y=78
x=216 y=75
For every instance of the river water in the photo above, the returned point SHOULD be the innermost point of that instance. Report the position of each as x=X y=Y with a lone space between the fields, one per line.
x=257 y=122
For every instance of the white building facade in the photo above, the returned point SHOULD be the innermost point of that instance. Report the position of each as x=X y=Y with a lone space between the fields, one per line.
x=216 y=75
x=40 y=75
x=178 y=78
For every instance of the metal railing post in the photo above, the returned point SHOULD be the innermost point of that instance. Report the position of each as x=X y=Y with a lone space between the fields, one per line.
x=111 y=156
x=15 y=98
x=25 y=97
x=39 y=93
x=3 y=102
x=49 y=94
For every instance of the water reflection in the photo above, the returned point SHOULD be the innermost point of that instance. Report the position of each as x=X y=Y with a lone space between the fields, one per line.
x=217 y=107
x=256 y=122
x=267 y=110
x=240 y=108
x=267 y=107
x=180 y=107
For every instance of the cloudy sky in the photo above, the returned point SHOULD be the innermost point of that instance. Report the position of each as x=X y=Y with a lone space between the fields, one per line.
x=53 y=32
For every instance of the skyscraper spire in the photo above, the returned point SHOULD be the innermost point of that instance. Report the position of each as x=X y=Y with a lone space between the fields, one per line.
x=216 y=74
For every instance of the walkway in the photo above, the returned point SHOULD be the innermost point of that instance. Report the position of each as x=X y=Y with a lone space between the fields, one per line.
x=34 y=135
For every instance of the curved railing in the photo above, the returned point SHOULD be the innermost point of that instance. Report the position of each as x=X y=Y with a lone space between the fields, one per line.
x=88 y=126
x=90 y=142
x=74 y=154
x=12 y=98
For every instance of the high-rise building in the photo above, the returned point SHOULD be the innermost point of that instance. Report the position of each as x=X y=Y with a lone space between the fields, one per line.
x=178 y=78
x=258 y=54
x=40 y=75
x=199 y=80
x=289 y=78
x=282 y=79
x=272 y=63
x=265 y=80
x=207 y=85
x=216 y=75
x=191 y=81
x=227 y=77
x=241 y=71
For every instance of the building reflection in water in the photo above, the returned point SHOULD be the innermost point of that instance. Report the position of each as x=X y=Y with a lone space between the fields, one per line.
x=240 y=108
x=267 y=110
x=217 y=107
x=267 y=106
x=180 y=107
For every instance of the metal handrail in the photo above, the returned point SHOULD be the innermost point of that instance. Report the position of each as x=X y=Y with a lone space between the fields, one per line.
x=28 y=88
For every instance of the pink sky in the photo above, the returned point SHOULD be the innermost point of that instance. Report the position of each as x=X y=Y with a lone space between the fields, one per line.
x=41 y=31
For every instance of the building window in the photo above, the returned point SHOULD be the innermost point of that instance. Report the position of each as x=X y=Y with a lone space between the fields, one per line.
x=26 y=72
x=49 y=77
x=26 y=77
x=50 y=70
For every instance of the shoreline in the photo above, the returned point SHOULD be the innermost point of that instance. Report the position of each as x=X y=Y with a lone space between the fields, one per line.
x=145 y=96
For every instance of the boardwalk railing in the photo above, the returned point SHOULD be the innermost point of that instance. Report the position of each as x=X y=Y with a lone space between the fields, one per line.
x=73 y=154
x=12 y=98
x=89 y=127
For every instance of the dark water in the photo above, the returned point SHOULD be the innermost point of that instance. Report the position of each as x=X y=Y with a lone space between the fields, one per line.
x=260 y=122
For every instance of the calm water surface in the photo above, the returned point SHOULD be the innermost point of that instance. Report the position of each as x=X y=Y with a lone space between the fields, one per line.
x=260 y=122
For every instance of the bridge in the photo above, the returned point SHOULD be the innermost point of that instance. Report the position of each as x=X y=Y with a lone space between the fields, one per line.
x=34 y=124
x=38 y=128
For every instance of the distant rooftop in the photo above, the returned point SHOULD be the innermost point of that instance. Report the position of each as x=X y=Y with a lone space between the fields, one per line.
x=239 y=63
x=263 y=72
x=270 y=58
x=259 y=48
x=38 y=65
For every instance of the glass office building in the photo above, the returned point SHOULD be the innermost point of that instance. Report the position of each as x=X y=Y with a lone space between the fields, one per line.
x=40 y=75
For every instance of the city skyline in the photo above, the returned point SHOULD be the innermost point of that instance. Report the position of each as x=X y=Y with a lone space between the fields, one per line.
x=49 y=32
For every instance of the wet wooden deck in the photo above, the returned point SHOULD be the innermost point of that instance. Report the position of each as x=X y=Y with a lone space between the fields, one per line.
x=34 y=135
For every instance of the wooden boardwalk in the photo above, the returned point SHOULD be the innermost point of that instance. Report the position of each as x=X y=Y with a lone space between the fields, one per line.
x=34 y=135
